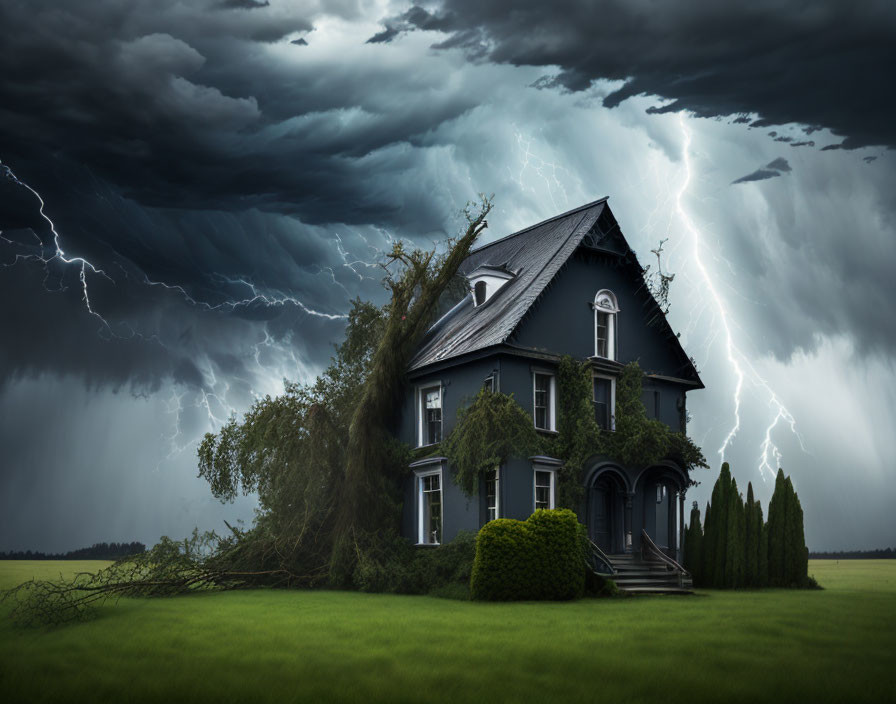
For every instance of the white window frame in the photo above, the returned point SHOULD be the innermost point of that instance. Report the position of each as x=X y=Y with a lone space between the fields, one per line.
x=552 y=492
x=552 y=400
x=497 y=471
x=418 y=479
x=612 y=381
x=605 y=302
x=421 y=411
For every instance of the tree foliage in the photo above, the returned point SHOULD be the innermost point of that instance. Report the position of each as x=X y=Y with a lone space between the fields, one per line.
x=693 y=546
x=490 y=430
x=200 y=563
x=740 y=550
x=788 y=554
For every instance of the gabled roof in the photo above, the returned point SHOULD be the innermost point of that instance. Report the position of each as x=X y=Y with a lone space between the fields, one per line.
x=533 y=256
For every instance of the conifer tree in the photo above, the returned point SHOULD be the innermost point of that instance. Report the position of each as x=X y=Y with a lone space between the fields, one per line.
x=734 y=553
x=762 y=529
x=693 y=547
x=751 y=541
x=706 y=561
x=720 y=502
x=796 y=563
x=777 y=519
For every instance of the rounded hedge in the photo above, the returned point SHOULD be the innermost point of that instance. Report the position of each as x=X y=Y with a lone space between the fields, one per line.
x=539 y=558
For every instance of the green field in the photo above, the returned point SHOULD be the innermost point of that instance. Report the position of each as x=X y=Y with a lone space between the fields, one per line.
x=276 y=646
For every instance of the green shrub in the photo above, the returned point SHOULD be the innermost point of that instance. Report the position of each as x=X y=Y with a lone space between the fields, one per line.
x=398 y=567
x=539 y=558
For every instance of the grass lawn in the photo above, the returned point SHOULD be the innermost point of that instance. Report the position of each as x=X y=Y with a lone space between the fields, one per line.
x=274 y=646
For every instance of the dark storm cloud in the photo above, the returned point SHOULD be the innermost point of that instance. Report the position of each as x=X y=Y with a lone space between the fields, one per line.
x=824 y=64
x=774 y=168
x=178 y=297
x=181 y=105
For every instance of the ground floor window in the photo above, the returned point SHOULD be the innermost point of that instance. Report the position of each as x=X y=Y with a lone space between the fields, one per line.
x=429 y=500
x=544 y=489
x=492 y=498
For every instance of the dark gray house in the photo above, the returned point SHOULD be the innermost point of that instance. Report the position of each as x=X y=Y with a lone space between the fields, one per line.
x=568 y=285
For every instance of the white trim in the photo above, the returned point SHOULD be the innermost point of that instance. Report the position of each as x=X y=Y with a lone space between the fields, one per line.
x=552 y=491
x=612 y=380
x=611 y=311
x=418 y=493
x=493 y=280
x=420 y=392
x=552 y=400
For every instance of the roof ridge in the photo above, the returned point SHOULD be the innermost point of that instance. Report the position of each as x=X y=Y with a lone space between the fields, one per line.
x=543 y=222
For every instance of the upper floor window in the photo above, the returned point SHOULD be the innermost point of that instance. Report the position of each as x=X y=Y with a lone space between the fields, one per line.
x=605 y=402
x=430 y=428
x=479 y=293
x=605 y=311
x=489 y=383
x=485 y=281
x=544 y=404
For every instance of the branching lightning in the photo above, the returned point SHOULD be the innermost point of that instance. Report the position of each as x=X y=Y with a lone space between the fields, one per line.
x=210 y=397
x=742 y=369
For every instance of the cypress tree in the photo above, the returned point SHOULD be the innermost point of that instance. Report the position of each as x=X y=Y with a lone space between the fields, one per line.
x=693 y=547
x=777 y=519
x=763 y=548
x=720 y=522
x=734 y=553
x=795 y=565
x=708 y=548
x=751 y=541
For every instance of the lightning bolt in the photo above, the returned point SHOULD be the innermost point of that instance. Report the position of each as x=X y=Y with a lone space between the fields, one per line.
x=546 y=170
x=769 y=454
x=58 y=252
x=211 y=397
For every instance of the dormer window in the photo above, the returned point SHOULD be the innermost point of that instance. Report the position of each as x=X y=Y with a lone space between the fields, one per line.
x=605 y=311
x=485 y=282
x=479 y=291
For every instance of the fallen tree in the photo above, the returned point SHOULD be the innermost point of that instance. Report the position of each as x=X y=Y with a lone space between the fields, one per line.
x=321 y=458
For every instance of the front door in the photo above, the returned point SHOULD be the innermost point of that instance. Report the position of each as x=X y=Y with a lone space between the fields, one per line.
x=602 y=514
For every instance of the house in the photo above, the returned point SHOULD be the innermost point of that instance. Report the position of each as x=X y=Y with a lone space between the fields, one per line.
x=568 y=285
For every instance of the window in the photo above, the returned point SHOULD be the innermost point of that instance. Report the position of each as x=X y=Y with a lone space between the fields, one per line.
x=479 y=293
x=605 y=310
x=656 y=404
x=489 y=383
x=429 y=502
x=544 y=489
x=544 y=388
x=430 y=415
x=605 y=402
x=492 y=494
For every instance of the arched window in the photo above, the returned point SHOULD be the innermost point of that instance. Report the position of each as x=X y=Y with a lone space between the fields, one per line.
x=479 y=291
x=605 y=311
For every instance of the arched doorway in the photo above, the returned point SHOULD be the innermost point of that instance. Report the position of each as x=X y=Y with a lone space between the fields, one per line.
x=605 y=512
x=660 y=493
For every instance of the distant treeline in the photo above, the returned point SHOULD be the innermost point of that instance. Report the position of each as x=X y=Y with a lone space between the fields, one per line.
x=99 y=551
x=888 y=554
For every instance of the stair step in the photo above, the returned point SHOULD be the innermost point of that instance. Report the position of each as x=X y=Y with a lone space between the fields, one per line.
x=659 y=590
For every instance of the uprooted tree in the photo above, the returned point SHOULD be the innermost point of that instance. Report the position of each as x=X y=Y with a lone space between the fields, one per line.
x=320 y=457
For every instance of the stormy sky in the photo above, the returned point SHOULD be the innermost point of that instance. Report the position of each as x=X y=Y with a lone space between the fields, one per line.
x=192 y=192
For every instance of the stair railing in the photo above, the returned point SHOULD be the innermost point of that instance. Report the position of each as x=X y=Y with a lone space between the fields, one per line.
x=597 y=558
x=649 y=547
